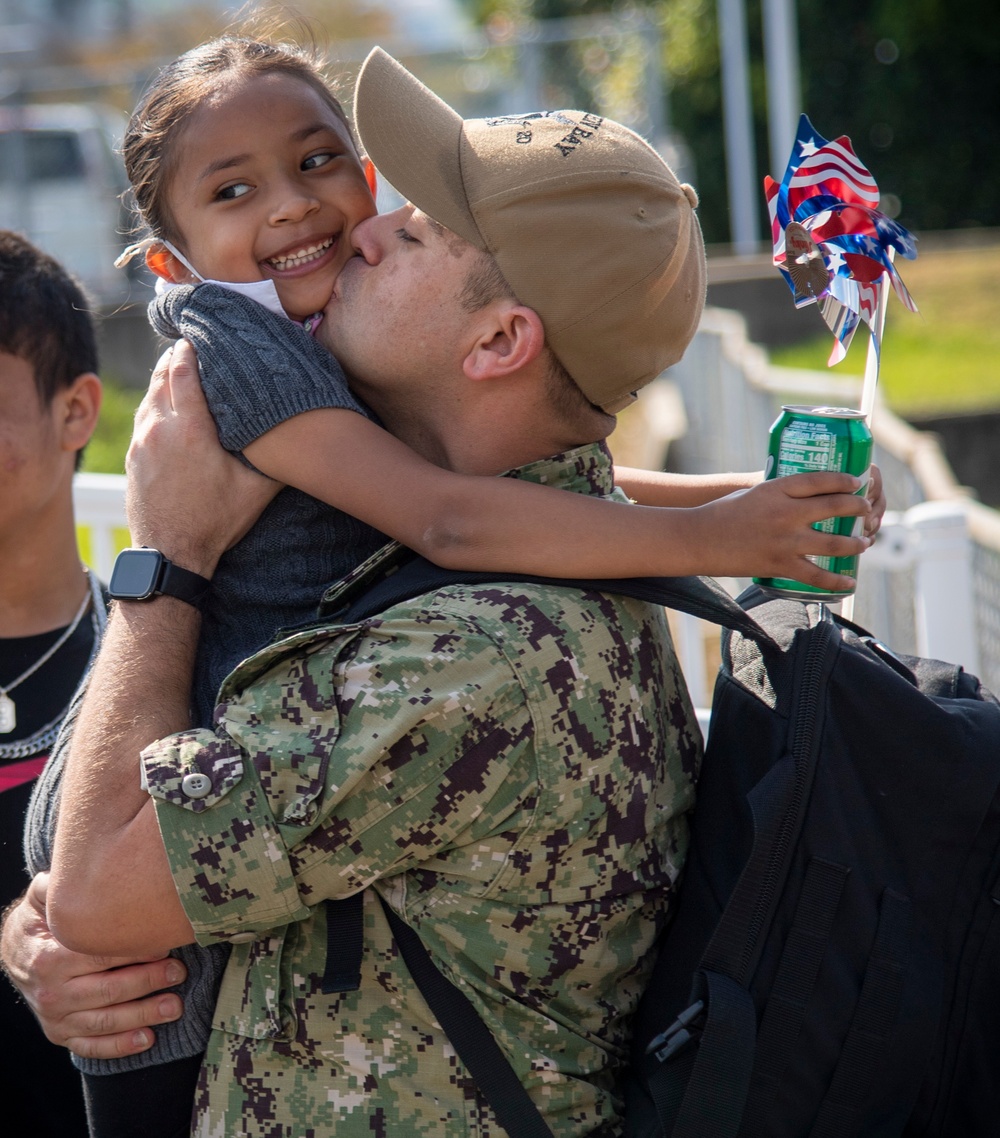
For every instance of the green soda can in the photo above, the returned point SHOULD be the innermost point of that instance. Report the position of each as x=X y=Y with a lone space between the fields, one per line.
x=805 y=439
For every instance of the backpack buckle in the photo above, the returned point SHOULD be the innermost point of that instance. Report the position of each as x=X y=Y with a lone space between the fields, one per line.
x=686 y=1029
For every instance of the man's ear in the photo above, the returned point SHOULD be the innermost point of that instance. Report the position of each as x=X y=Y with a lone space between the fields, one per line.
x=163 y=263
x=370 y=177
x=512 y=339
x=79 y=406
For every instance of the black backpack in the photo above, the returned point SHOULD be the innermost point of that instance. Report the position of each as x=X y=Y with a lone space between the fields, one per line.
x=833 y=964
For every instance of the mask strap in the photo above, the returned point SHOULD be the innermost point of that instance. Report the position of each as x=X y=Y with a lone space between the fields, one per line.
x=180 y=257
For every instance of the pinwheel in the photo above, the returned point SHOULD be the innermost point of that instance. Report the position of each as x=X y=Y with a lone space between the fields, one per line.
x=831 y=243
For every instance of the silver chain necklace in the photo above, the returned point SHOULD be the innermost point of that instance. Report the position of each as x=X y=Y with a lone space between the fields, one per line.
x=42 y=740
x=8 y=709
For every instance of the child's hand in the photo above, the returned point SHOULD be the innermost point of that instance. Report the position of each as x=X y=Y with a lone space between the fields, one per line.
x=766 y=531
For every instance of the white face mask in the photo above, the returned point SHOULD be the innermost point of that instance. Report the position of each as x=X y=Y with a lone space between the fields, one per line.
x=263 y=292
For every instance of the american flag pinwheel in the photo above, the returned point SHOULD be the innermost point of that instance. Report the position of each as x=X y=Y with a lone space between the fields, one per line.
x=831 y=243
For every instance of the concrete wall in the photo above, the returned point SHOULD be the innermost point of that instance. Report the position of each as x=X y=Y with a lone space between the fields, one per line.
x=971 y=444
x=753 y=287
x=127 y=345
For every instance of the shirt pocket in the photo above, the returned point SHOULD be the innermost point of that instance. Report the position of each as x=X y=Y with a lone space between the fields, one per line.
x=288 y=723
x=250 y=997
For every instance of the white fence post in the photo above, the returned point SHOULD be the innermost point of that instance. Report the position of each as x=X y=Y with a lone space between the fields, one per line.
x=690 y=646
x=99 y=503
x=945 y=608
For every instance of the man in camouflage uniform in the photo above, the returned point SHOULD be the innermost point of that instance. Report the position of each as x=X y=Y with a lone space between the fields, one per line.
x=508 y=766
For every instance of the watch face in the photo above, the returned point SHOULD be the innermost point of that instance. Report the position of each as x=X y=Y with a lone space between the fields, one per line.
x=135 y=574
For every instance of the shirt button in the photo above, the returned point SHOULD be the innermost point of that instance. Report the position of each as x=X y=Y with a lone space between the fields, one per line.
x=196 y=785
x=242 y=938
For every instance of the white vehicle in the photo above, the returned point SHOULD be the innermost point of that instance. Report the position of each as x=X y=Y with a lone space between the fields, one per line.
x=60 y=185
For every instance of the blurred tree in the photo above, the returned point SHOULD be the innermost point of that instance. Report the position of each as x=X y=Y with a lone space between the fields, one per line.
x=158 y=37
x=691 y=75
x=915 y=83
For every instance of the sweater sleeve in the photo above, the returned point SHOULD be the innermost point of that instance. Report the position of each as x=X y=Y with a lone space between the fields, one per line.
x=181 y=1038
x=257 y=368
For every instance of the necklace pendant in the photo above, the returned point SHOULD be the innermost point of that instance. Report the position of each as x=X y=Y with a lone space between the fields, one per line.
x=8 y=714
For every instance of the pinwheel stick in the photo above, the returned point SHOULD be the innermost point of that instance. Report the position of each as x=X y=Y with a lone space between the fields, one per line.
x=872 y=359
x=871 y=383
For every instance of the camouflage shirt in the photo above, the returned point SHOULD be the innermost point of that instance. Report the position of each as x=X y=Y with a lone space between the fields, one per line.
x=510 y=767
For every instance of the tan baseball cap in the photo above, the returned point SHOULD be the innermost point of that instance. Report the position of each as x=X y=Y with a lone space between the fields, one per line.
x=588 y=224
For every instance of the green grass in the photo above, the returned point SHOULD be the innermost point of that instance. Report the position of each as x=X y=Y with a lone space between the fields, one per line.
x=105 y=453
x=944 y=358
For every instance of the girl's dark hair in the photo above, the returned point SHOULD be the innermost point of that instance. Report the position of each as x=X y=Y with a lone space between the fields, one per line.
x=178 y=90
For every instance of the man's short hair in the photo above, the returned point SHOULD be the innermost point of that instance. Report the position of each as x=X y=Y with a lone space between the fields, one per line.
x=45 y=317
x=485 y=283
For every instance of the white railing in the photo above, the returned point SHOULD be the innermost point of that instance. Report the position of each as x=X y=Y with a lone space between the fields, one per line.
x=99 y=501
x=929 y=586
x=931 y=583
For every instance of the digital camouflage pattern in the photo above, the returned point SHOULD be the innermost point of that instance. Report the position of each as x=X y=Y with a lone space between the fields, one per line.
x=510 y=766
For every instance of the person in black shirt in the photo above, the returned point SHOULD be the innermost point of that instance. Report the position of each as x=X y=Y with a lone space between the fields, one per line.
x=52 y=612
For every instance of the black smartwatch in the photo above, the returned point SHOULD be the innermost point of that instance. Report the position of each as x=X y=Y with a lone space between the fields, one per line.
x=141 y=574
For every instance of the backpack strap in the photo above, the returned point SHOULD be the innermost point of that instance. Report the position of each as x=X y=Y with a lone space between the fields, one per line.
x=345 y=943
x=471 y=1038
x=702 y=597
x=467 y=1033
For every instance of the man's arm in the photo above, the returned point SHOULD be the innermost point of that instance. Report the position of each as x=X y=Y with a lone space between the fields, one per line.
x=111 y=888
x=98 y=1007
x=665 y=488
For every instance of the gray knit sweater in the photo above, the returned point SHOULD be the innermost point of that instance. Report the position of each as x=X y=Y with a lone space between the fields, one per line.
x=258 y=369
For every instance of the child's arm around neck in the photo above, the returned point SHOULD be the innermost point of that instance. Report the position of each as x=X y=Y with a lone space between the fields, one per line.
x=482 y=523
x=280 y=398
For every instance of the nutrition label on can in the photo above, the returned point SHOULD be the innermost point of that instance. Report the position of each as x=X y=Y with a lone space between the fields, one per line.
x=808 y=446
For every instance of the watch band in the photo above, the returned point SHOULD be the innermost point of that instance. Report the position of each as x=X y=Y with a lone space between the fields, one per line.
x=182 y=583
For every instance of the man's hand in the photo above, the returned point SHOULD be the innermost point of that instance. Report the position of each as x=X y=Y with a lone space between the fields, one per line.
x=766 y=531
x=187 y=496
x=98 y=1007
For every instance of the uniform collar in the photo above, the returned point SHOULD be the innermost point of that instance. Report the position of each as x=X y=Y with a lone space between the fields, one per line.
x=586 y=469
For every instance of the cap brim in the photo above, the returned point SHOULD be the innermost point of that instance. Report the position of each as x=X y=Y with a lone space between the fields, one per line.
x=414 y=139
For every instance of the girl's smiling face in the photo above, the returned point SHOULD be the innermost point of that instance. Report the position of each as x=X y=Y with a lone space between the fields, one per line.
x=265 y=183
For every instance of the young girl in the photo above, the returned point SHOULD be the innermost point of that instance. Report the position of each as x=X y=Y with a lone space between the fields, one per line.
x=245 y=173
